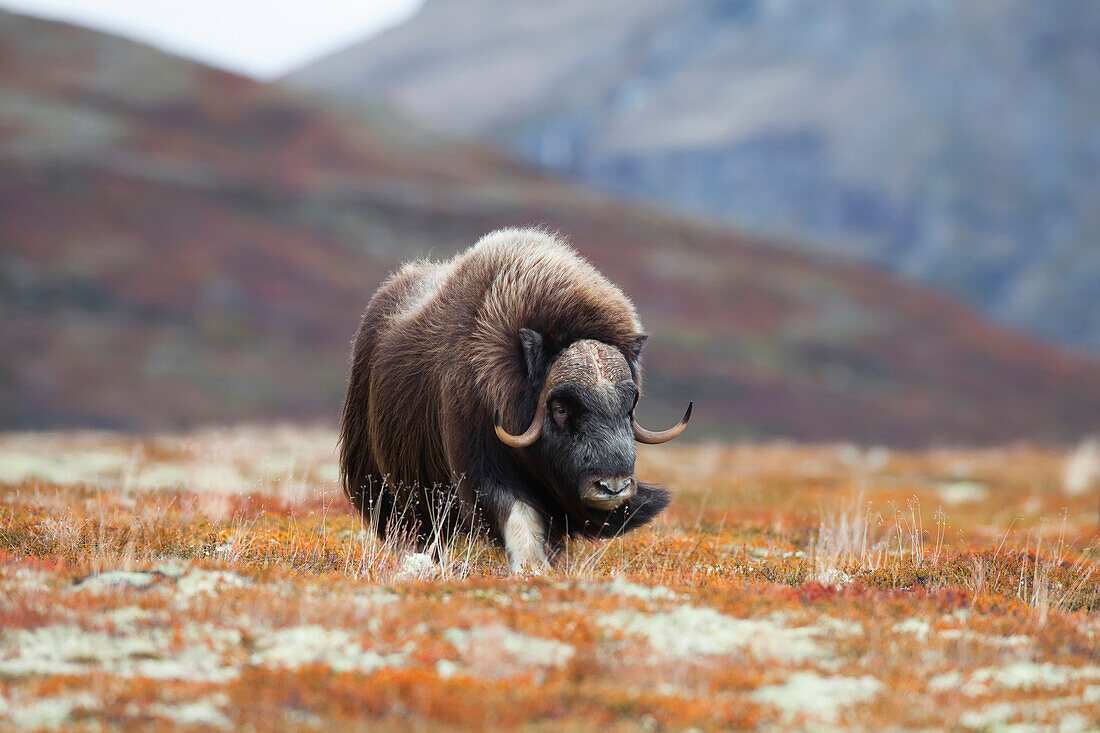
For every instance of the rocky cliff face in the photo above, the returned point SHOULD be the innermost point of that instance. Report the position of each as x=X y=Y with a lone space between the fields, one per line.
x=956 y=143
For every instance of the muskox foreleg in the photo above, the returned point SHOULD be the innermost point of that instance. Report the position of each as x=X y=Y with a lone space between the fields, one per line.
x=516 y=524
x=525 y=538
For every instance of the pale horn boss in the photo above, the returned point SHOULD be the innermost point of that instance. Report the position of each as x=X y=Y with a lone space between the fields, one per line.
x=495 y=392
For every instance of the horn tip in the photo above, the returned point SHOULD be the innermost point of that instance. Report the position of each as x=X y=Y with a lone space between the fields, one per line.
x=687 y=415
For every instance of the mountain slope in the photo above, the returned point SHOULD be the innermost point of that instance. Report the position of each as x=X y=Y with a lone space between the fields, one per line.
x=956 y=144
x=185 y=246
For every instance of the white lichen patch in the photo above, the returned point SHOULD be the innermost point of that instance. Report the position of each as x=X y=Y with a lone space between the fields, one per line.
x=172 y=568
x=828 y=626
x=824 y=698
x=946 y=681
x=1013 y=641
x=372 y=598
x=757 y=554
x=127 y=618
x=25 y=580
x=282 y=461
x=997 y=714
x=193 y=653
x=918 y=627
x=1045 y=713
x=45 y=462
x=922 y=629
x=497 y=651
x=115 y=580
x=490 y=594
x=210 y=476
x=1027 y=675
x=962 y=492
x=1075 y=723
x=203 y=653
x=1014 y=676
x=48 y=713
x=446 y=669
x=689 y=632
x=620 y=586
x=198 y=713
x=208 y=582
x=188 y=584
x=1082 y=468
x=301 y=645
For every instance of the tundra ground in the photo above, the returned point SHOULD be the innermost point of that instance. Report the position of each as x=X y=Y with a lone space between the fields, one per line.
x=217 y=580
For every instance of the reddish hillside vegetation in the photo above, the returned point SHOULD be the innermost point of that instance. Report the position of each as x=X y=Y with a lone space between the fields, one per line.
x=183 y=246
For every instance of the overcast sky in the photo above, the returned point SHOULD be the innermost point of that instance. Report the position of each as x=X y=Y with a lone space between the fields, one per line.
x=260 y=38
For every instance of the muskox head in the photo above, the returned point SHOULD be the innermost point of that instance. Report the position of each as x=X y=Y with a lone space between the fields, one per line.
x=582 y=436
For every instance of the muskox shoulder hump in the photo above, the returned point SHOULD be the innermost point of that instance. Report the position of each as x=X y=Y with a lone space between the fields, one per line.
x=425 y=280
x=522 y=243
x=534 y=272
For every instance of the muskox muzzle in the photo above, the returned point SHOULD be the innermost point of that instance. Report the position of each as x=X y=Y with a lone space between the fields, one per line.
x=608 y=493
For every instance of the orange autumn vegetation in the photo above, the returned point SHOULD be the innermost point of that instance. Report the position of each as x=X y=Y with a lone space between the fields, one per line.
x=787 y=585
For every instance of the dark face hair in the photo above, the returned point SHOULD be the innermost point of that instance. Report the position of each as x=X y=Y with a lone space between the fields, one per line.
x=586 y=449
x=588 y=439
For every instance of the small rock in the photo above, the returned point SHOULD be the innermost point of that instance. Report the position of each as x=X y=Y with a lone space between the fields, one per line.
x=833 y=577
x=417 y=566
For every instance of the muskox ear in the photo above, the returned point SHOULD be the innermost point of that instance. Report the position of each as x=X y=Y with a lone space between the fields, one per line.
x=531 y=341
x=636 y=344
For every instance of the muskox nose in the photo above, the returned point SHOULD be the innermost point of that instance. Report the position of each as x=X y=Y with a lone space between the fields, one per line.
x=613 y=486
x=608 y=492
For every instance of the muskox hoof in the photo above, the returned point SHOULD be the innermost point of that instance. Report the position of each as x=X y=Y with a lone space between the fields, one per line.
x=530 y=568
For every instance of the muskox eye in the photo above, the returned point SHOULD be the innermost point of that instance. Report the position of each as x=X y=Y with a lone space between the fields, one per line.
x=559 y=412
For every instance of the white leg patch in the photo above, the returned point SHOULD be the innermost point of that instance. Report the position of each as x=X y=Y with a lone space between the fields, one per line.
x=525 y=539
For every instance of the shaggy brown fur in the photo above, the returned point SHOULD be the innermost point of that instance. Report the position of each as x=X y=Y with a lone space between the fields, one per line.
x=438 y=352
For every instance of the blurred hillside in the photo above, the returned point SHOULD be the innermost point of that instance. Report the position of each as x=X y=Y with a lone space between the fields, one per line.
x=954 y=143
x=182 y=246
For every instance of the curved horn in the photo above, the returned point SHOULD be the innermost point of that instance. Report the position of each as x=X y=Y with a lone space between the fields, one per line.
x=651 y=438
x=529 y=436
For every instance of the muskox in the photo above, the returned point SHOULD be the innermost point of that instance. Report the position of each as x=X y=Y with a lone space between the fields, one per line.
x=495 y=392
